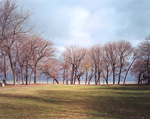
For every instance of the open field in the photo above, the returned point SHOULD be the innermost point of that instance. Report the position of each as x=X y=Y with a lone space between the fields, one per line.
x=70 y=101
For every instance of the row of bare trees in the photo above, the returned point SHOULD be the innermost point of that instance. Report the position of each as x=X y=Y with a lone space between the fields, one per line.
x=113 y=59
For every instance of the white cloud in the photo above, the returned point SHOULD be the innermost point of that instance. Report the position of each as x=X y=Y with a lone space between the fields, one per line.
x=88 y=22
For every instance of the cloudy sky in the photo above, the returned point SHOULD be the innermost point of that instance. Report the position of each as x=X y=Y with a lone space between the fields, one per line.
x=89 y=22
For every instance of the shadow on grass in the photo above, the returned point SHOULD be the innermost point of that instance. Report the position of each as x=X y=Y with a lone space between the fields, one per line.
x=20 y=111
x=122 y=105
x=127 y=87
x=41 y=106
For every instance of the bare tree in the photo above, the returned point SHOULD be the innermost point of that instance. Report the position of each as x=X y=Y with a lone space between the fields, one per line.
x=144 y=51
x=65 y=69
x=80 y=70
x=143 y=54
x=42 y=49
x=95 y=55
x=74 y=55
x=124 y=50
x=51 y=69
x=106 y=66
x=139 y=67
x=132 y=60
x=88 y=67
x=21 y=57
x=112 y=56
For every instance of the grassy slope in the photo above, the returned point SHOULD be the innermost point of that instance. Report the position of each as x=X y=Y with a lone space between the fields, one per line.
x=61 y=101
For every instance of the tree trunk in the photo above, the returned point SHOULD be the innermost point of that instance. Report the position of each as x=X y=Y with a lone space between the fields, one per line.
x=67 y=81
x=99 y=81
x=148 y=65
x=64 y=75
x=86 y=76
x=79 y=81
x=148 y=81
x=95 y=74
x=99 y=77
x=67 y=77
x=12 y=68
x=99 y=73
x=107 y=82
x=17 y=78
x=90 y=78
x=119 y=74
x=5 y=73
x=35 y=74
x=120 y=70
x=139 y=78
x=72 y=74
x=75 y=76
x=54 y=79
x=27 y=72
x=113 y=75
x=128 y=71
x=14 y=75
x=1 y=62
x=107 y=76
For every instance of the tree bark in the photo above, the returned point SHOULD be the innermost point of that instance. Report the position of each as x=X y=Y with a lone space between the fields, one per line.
x=139 y=78
x=95 y=74
x=27 y=72
x=79 y=81
x=119 y=74
x=64 y=76
x=12 y=68
x=75 y=76
x=56 y=81
x=107 y=76
x=148 y=81
x=72 y=74
x=86 y=78
x=5 y=73
x=90 y=78
x=113 y=74
x=99 y=77
x=35 y=74
x=67 y=77
x=128 y=71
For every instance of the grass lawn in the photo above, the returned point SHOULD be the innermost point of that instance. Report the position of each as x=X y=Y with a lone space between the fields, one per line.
x=75 y=102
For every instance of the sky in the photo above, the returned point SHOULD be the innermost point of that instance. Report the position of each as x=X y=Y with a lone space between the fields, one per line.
x=88 y=22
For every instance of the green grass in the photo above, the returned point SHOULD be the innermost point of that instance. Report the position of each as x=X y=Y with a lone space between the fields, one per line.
x=70 y=101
